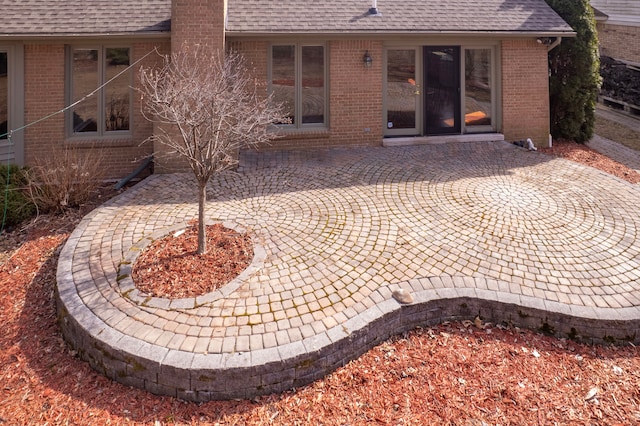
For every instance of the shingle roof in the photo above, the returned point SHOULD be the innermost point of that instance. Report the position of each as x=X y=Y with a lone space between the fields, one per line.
x=599 y=14
x=66 y=17
x=619 y=11
x=86 y=17
x=398 y=16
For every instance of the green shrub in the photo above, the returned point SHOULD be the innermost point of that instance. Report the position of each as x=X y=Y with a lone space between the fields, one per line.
x=15 y=198
x=574 y=68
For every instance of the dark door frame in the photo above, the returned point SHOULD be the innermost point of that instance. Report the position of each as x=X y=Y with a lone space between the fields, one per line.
x=442 y=100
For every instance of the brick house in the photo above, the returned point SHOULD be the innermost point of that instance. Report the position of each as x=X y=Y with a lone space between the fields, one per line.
x=618 y=25
x=351 y=72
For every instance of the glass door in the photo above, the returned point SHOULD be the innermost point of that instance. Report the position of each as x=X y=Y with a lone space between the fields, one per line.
x=478 y=90
x=403 y=92
x=442 y=90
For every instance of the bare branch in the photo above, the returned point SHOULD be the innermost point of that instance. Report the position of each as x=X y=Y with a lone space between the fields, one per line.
x=208 y=107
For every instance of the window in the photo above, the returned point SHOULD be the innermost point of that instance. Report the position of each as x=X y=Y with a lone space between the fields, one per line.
x=478 y=89
x=90 y=68
x=4 y=95
x=298 y=82
x=402 y=97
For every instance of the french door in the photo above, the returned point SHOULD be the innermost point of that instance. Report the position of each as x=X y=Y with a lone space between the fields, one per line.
x=427 y=89
x=403 y=92
x=441 y=90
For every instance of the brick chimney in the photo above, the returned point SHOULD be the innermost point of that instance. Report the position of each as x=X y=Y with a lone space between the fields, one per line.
x=198 y=22
x=194 y=22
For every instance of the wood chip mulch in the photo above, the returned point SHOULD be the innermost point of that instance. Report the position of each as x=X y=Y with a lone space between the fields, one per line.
x=170 y=267
x=581 y=153
x=463 y=373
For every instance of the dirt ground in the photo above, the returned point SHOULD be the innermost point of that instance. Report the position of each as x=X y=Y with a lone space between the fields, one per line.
x=615 y=132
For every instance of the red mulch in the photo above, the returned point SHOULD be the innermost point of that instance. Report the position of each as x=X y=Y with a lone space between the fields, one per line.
x=170 y=267
x=455 y=373
x=583 y=154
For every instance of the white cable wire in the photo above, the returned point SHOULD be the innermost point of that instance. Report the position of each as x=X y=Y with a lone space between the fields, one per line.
x=33 y=123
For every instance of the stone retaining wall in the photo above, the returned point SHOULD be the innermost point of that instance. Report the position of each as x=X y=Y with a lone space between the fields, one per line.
x=203 y=377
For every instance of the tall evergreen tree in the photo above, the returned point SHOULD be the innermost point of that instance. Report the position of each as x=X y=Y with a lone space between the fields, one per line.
x=574 y=68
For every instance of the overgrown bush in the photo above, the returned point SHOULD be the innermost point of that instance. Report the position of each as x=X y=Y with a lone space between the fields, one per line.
x=66 y=179
x=15 y=202
x=574 y=68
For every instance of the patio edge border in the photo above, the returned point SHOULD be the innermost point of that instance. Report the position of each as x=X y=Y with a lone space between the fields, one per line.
x=204 y=377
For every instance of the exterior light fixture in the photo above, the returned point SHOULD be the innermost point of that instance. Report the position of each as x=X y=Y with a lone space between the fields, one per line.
x=368 y=60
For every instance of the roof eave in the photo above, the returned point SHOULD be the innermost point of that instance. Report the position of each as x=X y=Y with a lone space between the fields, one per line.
x=378 y=34
x=85 y=36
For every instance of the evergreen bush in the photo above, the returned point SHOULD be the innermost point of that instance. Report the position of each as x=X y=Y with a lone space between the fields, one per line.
x=574 y=72
x=14 y=199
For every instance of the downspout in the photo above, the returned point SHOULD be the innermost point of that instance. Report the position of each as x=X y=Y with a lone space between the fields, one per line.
x=146 y=163
x=554 y=44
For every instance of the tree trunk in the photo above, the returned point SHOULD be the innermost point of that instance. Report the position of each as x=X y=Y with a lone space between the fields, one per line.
x=202 y=231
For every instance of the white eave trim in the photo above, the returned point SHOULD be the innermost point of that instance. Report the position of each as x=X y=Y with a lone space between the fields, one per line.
x=383 y=34
x=66 y=36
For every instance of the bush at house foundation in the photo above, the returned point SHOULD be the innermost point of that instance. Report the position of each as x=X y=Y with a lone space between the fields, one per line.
x=574 y=73
x=16 y=206
x=67 y=178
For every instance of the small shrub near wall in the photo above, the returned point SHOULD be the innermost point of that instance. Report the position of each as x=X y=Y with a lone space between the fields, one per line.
x=16 y=205
x=66 y=179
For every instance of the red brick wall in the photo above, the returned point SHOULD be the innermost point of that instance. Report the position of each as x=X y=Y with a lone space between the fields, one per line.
x=619 y=42
x=45 y=94
x=354 y=98
x=143 y=128
x=193 y=23
x=198 y=22
x=354 y=95
x=525 y=91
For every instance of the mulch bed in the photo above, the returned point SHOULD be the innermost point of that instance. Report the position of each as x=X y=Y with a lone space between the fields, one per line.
x=170 y=267
x=581 y=153
x=460 y=373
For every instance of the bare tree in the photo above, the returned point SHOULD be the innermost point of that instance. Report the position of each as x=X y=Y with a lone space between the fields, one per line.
x=217 y=109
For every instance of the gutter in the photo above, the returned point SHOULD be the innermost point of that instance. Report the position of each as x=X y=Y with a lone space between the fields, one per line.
x=555 y=44
x=394 y=33
x=84 y=36
x=549 y=43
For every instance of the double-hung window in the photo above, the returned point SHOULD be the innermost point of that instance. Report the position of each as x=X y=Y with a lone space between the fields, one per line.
x=298 y=81
x=100 y=111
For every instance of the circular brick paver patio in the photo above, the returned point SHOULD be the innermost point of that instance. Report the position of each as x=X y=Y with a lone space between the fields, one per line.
x=469 y=229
